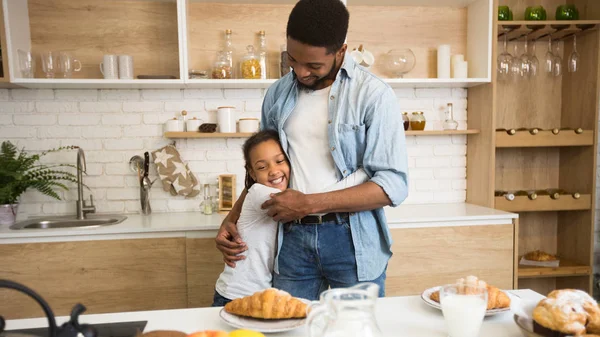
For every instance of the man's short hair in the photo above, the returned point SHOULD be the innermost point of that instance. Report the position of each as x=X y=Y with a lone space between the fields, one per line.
x=319 y=23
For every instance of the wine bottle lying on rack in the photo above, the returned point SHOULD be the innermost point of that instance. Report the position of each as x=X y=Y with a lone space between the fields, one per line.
x=576 y=130
x=510 y=132
x=507 y=195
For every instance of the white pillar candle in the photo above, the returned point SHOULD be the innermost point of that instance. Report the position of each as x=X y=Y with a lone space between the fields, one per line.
x=454 y=60
x=443 y=61
x=461 y=69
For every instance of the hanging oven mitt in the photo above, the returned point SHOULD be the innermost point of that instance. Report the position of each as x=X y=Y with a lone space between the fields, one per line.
x=175 y=175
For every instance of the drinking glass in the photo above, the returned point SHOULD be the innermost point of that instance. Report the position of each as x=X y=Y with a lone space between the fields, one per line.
x=68 y=64
x=26 y=63
x=49 y=63
x=525 y=61
x=549 y=64
x=463 y=307
x=516 y=68
x=535 y=63
x=557 y=70
x=504 y=60
x=574 y=58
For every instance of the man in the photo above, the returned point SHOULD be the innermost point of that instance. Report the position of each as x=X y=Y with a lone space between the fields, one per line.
x=334 y=118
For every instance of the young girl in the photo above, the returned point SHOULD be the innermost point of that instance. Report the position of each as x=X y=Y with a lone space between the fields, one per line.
x=267 y=172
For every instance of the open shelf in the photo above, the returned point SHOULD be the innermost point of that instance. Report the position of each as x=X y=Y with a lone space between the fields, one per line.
x=57 y=83
x=544 y=203
x=566 y=268
x=245 y=135
x=544 y=139
x=538 y=29
x=393 y=82
x=206 y=135
x=440 y=132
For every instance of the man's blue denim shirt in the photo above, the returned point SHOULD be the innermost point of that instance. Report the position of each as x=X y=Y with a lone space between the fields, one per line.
x=365 y=130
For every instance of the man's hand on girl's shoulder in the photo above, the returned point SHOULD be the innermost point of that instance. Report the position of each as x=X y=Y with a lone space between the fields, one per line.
x=288 y=205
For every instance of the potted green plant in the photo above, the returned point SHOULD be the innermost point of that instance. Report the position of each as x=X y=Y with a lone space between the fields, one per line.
x=20 y=171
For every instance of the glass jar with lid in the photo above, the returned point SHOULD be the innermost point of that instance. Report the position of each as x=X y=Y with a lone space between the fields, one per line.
x=221 y=69
x=405 y=120
x=417 y=121
x=450 y=123
x=250 y=65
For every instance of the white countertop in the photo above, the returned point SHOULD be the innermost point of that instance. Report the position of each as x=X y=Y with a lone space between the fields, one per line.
x=396 y=316
x=196 y=224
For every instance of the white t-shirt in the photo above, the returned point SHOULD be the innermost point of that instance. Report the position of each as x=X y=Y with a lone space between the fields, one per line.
x=259 y=231
x=308 y=145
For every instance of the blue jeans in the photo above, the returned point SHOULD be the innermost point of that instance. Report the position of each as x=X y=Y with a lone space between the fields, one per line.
x=315 y=257
x=219 y=301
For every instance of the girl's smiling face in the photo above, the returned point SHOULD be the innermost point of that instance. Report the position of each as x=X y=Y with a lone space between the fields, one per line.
x=269 y=165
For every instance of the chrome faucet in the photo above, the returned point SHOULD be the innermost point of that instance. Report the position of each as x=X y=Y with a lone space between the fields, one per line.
x=82 y=208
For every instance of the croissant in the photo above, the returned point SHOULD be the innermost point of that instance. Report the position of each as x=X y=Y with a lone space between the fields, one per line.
x=497 y=299
x=567 y=311
x=268 y=304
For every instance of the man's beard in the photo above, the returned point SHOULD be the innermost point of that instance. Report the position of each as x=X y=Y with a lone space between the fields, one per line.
x=320 y=81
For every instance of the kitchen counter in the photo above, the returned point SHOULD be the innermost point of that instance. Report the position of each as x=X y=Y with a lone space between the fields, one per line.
x=198 y=225
x=396 y=316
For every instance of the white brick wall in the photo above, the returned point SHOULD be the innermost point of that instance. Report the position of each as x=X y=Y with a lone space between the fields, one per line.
x=113 y=125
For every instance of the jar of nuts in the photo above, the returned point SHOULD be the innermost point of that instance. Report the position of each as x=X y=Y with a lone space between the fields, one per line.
x=250 y=65
x=221 y=69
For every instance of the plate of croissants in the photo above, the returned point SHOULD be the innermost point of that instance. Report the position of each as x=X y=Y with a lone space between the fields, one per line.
x=498 y=300
x=270 y=310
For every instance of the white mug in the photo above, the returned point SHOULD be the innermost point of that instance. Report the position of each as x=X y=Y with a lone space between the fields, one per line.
x=248 y=125
x=125 y=67
x=109 y=67
x=226 y=119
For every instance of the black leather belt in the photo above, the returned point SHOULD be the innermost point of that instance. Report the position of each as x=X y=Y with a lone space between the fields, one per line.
x=319 y=219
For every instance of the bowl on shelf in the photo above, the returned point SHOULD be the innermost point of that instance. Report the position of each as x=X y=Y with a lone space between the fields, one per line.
x=504 y=13
x=398 y=62
x=535 y=13
x=567 y=12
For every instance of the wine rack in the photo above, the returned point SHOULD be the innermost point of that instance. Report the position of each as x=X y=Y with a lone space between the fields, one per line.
x=538 y=136
x=541 y=200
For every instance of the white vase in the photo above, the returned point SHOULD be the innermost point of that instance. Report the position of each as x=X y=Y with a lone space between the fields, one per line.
x=8 y=214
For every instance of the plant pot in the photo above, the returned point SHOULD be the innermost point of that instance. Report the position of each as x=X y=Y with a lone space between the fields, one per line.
x=8 y=214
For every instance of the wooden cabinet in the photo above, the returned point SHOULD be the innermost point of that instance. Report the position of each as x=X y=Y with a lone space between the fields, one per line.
x=166 y=273
x=105 y=276
x=527 y=161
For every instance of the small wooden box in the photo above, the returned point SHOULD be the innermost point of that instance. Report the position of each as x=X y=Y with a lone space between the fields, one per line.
x=226 y=192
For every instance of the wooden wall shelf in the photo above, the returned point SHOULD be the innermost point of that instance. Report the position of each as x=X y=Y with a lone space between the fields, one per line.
x=441 y=132
x=245 y=135
x=539 y=29
x=544 y=203
x=177 y=135
x=545 y=139
x=566 y=268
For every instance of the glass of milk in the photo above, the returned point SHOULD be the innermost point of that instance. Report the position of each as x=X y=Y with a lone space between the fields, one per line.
x=463 y=307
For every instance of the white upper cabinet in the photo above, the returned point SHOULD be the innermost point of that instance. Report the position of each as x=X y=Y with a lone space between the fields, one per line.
x=169 y=38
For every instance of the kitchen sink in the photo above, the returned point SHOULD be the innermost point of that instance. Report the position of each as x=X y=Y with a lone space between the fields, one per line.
x=91 y=221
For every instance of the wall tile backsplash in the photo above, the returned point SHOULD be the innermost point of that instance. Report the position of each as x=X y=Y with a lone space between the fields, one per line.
x=113 y=125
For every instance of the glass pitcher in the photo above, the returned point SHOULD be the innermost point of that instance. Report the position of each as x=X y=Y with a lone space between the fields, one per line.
x=345 y=312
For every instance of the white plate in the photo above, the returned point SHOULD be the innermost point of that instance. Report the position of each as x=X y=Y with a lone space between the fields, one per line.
x=426 y=297
x=262 y=325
